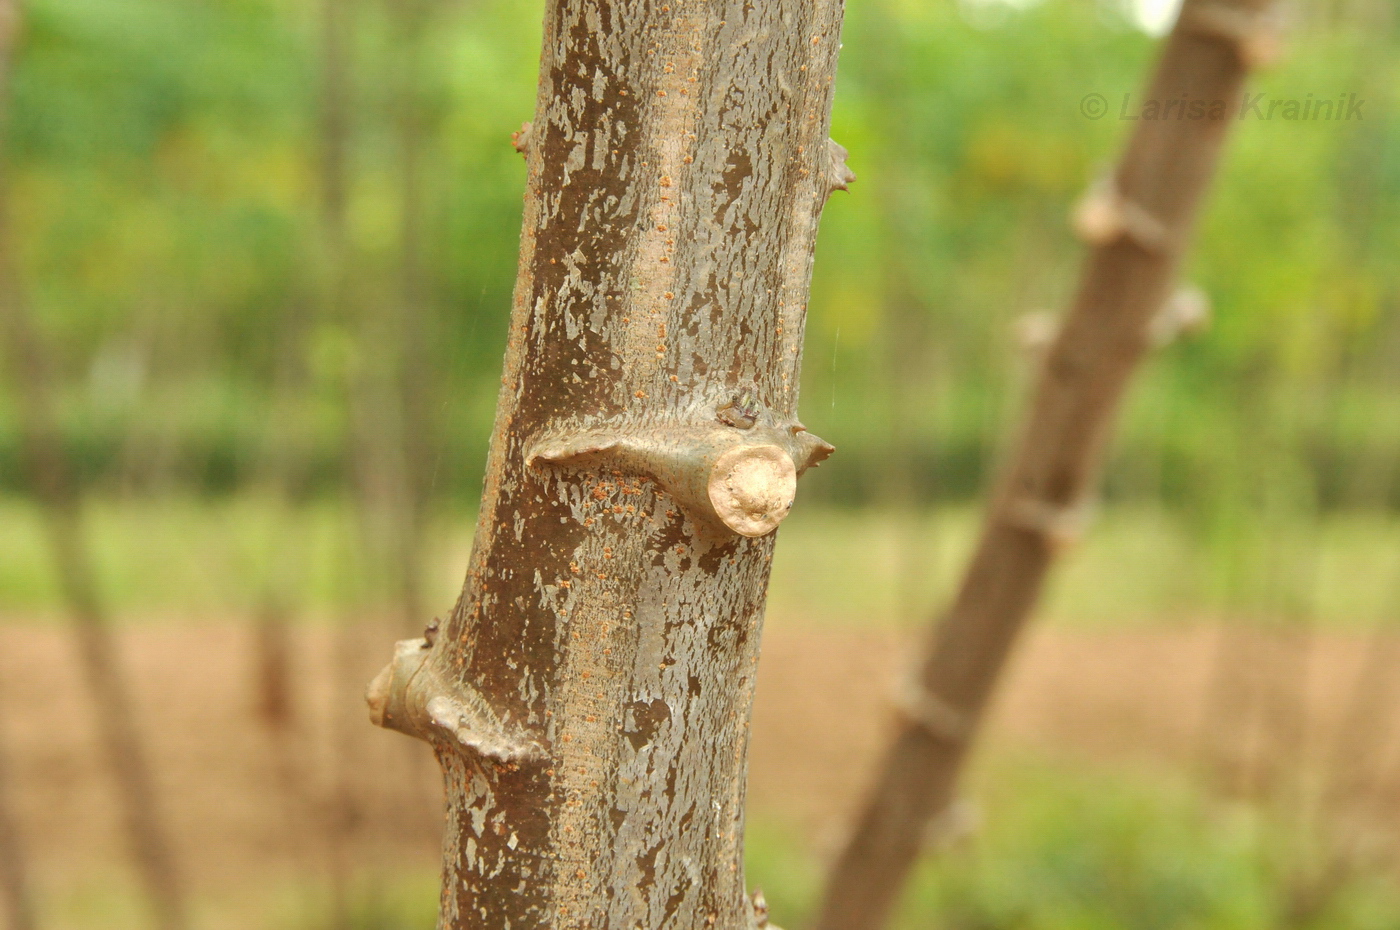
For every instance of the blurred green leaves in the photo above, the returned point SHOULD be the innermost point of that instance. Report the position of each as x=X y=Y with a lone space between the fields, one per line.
x=166 y=197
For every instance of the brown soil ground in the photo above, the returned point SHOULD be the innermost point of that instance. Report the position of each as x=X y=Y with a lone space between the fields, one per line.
x=245 y=805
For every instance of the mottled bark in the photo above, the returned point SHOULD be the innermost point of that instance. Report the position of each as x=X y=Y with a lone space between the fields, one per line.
x=589 y=695
x=1137 y=223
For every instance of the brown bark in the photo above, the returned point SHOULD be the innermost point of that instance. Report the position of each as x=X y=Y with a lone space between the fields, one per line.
x=589 y=695
x=1138 y=225
x=52 y=483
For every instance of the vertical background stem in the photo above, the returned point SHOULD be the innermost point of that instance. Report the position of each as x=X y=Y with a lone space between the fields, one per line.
x=1125 y=284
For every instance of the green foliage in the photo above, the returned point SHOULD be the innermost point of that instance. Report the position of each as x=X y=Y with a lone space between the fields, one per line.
x=181 y=556
x=166 y=197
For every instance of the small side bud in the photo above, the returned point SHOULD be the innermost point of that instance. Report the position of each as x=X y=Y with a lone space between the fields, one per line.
x=743 y=412
x=1104 y=216
x=1060 y=525
x=759 y=905
x=1036 y=331
x=1188 y=311
x=839 y=175
x=521 y=138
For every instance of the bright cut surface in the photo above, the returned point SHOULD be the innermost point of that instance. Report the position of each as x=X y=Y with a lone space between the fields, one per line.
x=752 y=488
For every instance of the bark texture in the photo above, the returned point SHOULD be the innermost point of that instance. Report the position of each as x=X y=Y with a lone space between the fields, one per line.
x=1137 y=223
x=589 y=695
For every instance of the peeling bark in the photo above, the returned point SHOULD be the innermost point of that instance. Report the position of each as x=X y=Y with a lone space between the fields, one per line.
x=589 y=695
x=1137 y=223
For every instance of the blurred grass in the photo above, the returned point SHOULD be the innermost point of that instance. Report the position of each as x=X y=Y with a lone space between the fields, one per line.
x=181 y=557
x=1064 y=847
x=385 y=900
x=1137 y=565
x=1053 y=846
x=176 y=557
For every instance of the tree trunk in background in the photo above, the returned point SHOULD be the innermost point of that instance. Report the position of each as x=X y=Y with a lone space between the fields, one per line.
x=280 y=480
x=392 y=394
x=14 y=866
x=116 y=724
x=340 y=810
x=590 y=693
x=42 y=449
x=415 y=405
x=1138 y=225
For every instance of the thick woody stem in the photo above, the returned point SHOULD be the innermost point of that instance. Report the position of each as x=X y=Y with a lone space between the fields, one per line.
x=410 y=696
x=590 y=693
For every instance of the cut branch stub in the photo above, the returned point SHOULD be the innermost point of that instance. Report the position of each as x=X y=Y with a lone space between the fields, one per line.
x=751 y=488
x=941 y=720
x=1105 y=216
x=759 y=905
x=1186 y=312
x=1061 y=525
x=409 y=696
x=725 y=478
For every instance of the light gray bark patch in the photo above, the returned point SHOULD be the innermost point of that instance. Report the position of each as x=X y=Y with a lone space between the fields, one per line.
x=643 y=721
